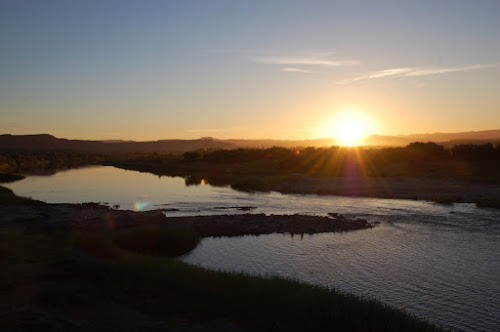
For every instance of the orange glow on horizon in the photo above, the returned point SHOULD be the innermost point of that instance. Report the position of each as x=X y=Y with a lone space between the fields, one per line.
x=347 y=128
x=349 y=131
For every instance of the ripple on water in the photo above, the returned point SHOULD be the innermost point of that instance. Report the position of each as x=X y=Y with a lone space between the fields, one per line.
x=450 y=278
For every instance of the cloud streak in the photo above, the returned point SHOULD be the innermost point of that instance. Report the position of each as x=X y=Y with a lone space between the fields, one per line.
x=306 y=61
x=389 y=72
x=296 y=70
x=435 y=71
x=416 y=71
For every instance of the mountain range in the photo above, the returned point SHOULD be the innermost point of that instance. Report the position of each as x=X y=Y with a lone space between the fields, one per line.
x=45 y=142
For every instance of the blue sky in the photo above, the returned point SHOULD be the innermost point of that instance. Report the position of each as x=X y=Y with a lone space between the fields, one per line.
x=247 y=69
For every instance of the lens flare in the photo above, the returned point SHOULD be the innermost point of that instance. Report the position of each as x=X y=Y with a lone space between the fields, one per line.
x=141 y=205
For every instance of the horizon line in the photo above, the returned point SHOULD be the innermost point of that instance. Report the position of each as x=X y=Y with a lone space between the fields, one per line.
x=249 y=139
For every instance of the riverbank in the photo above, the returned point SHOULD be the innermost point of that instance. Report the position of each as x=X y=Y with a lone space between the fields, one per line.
x=443 y=182
x=445 y=191
x=423 y=171
x=31 y=216
x=88 y=267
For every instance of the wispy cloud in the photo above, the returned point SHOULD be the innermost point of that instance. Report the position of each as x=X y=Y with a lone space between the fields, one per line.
x=296 y=70
x=434 y=71
x=306 y=61
x=389 y=72
x=416 y=71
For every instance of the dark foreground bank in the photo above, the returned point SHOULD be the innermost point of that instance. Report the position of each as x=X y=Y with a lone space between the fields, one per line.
x=119 y=273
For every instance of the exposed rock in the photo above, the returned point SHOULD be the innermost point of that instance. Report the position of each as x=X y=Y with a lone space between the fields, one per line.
x=93 y=216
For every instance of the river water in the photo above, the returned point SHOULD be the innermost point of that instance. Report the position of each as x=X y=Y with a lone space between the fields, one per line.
x=440 y=262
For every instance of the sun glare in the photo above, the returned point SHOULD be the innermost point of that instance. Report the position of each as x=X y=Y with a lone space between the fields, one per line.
x=347 y=127
x=349 y=131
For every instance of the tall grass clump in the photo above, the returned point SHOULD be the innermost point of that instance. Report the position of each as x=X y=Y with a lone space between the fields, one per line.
x=168 y=286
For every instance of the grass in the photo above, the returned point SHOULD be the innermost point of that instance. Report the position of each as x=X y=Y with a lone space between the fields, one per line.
x=259 y=303
x=66 y=271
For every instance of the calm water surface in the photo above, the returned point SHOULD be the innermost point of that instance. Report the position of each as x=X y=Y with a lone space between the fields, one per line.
x=438 y=262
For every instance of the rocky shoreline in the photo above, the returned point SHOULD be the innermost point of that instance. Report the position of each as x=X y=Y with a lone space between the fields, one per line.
x=257 y=224
x=32 y=216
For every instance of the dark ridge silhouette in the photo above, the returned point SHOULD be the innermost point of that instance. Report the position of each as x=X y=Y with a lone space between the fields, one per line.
x=46 y=142
x=470 y=135
x=268 y=143
x=446 y=139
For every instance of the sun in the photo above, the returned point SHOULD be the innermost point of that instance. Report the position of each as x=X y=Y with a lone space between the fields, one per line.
x=349 y=131
x=347 y=127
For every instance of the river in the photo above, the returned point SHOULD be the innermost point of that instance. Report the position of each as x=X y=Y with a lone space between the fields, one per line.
x=440 y=262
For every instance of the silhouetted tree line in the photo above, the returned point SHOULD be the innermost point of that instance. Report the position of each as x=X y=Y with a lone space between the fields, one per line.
x=413 y=152
x=327 y=160
x=246 y=155
x=24 y=162
x=469 y=152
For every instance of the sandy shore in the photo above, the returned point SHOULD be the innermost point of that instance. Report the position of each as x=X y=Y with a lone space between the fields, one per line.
x=38 y=216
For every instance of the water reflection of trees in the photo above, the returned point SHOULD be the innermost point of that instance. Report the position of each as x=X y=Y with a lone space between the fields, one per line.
x=193 y=180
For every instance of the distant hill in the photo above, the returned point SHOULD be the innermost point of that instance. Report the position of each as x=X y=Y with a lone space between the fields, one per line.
x=268 y=143
x=470 y=137
x=45 y=142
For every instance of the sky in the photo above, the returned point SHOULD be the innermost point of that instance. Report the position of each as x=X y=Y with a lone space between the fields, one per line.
x=147 y=70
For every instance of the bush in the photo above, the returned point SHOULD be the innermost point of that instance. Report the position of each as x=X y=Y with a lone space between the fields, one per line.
x=154 y=240
x=251 y=183
x=8 y=196
x=6 y=177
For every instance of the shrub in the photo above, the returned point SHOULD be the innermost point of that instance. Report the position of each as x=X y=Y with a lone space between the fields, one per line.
x=155 y=240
